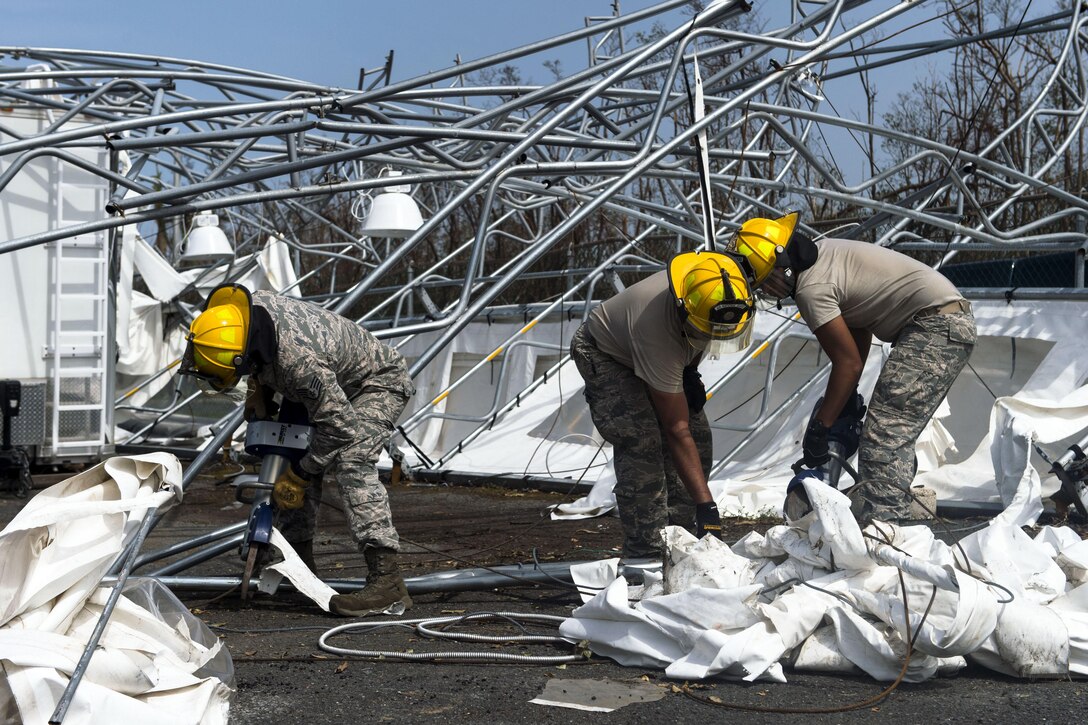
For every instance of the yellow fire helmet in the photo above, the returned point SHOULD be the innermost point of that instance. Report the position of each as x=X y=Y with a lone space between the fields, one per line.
x=713 y=293
x=219 y=338
x=765 y=243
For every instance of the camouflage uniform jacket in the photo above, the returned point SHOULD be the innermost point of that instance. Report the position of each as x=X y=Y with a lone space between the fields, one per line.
x=323 y=361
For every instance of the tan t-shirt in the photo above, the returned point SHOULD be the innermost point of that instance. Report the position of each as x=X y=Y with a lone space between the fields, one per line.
x=641 y=328
x=874 y=288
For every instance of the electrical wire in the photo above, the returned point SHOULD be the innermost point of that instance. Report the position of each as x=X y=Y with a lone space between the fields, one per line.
x=756 y=394
x=427 y=627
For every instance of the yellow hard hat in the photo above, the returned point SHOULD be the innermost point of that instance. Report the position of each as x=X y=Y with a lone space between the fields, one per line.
x=219 y=337
x=762 y=241
x=714 y=293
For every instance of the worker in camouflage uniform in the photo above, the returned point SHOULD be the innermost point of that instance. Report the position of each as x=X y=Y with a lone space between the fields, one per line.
x=638 y=353
x=849 y=292
x=333 y=374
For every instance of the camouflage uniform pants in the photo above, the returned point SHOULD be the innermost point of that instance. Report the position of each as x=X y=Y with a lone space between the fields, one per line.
x=927 y=357
x=366 y=503
x=649 y=493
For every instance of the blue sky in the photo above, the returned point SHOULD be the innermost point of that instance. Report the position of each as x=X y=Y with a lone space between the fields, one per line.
x=323 y=41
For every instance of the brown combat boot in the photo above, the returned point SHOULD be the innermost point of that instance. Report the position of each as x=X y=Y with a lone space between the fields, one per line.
x=384 y=588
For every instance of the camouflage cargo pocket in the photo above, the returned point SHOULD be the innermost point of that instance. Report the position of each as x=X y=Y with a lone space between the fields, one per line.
x=961 y=328
x=897 y=382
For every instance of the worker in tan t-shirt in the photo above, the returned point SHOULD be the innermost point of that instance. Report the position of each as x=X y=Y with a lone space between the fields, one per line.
x=849 y=292
x=638 y=353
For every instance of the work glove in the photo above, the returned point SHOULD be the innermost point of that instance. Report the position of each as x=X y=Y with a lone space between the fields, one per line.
x=694 y=390
x=814 y=444
x=847 y=429
x=855 y=407
x=289 y=491
x=707 y=520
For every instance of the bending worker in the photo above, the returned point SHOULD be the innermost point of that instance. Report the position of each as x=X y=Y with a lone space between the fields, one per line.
x=352 y=387
x=638 y=353
x=848 y=292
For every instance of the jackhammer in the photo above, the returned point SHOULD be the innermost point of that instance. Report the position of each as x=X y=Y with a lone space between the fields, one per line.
x=278 y=444
x=1071 y=468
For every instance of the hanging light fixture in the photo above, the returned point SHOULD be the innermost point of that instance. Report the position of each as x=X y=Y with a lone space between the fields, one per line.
x=393 y=213
x=206 y=243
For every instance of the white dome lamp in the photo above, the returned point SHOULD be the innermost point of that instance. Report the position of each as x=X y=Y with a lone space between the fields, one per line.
x=206 y=243
x=393 y=213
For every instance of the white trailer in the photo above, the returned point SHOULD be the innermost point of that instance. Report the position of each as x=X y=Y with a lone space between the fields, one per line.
x=55 y=316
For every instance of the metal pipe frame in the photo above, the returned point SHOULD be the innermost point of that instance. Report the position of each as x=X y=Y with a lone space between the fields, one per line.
x=610 y=144
x=454 y=580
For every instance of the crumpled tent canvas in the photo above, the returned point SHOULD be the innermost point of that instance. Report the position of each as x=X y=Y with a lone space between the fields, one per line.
x=1045 y=402
x=155 y=663
x=821 y=595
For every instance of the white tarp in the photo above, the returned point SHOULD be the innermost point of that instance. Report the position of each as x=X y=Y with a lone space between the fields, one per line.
x=821 y=596
x=155 y=662
x=1049 y=407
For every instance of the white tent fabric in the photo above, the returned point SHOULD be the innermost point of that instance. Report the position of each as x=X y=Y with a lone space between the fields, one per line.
x=519 y=362
x=294 y=570
x=150 y=347
x=1050 y=407
x=162 y=280
x=822 y=596
x=268 y=269
x=155 y=662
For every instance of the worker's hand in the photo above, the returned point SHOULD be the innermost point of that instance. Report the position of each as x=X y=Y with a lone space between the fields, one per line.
x=814 y=445
x=259 y=402
x=289 y=490
x=707 y=520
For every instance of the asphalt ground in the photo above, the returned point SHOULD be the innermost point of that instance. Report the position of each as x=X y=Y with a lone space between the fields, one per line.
x=283 y=676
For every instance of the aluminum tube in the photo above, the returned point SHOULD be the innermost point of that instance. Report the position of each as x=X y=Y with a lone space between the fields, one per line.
x=501 y=169
x=189 y=544
x=1071 y=246
x=1014 y=294
x=199 y=557
x=176 y=117
x=129 y=558
x=18 y=163
x=100 y=626
x=214 y=204
x=456 y=580
x=194 y=139
x=463 y=68
x=1066 y=458
x=160 y=418
x=446 y=133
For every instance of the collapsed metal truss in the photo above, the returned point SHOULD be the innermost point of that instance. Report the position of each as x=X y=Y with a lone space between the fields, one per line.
x=614 y=142
x=202 y=136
